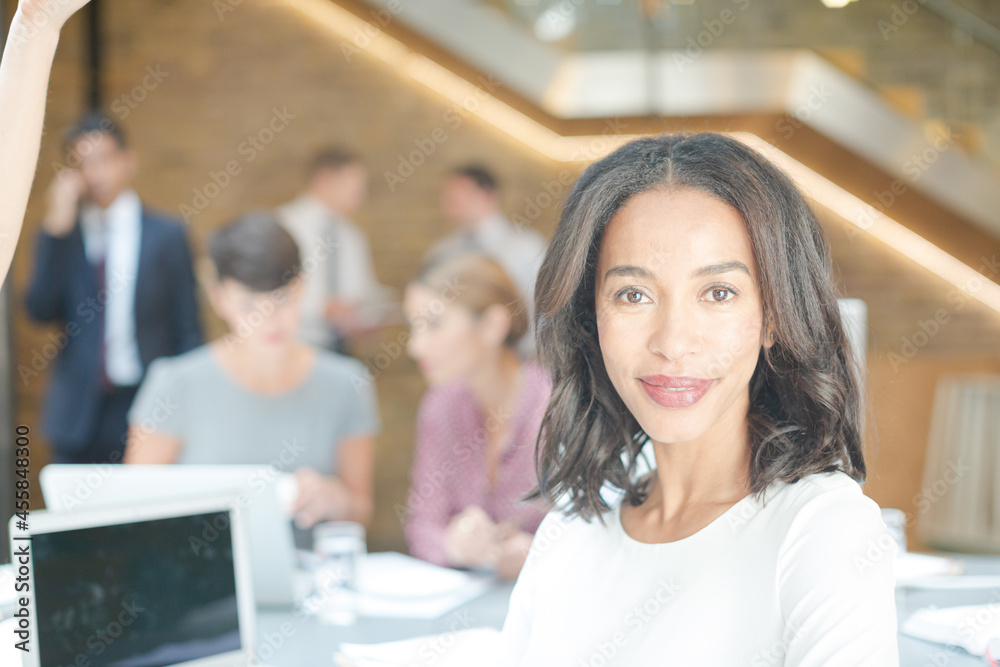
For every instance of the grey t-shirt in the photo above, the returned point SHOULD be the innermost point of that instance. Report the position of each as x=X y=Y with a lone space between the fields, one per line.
x=218 y=421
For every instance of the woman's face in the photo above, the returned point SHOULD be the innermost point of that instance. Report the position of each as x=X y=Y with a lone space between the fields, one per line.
x=679 y=313
x=266 y=320
x=446 y=340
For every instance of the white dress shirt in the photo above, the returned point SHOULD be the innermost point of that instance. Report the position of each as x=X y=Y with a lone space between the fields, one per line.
x=115 y=234
x=337 y=264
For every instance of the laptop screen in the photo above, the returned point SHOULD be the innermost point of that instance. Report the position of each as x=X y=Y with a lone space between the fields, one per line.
x=143 y=594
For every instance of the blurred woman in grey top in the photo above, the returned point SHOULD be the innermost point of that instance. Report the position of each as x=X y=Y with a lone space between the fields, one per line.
x=258 y=395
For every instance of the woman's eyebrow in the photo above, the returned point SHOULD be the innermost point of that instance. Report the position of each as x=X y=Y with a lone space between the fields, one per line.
x=628 y=271
x=632 y=271
x=722 y=267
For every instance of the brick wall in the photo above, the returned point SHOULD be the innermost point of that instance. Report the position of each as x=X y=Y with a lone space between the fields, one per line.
x=191 y=87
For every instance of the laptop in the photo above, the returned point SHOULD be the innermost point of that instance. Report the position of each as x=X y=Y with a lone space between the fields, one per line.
x=261 y=492
x=152 y=585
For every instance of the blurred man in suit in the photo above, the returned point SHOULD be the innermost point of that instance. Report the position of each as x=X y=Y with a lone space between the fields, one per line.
x=119 y=279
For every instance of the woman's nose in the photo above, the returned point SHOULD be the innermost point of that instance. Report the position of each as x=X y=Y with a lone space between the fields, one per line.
x=674 y=333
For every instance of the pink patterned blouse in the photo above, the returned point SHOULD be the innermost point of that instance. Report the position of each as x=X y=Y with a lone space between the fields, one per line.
x=449 y=467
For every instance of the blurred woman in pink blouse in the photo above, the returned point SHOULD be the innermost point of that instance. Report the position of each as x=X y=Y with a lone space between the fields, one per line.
x=478 y=423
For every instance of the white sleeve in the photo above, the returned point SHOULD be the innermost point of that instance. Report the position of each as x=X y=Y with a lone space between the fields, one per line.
x=836 y=586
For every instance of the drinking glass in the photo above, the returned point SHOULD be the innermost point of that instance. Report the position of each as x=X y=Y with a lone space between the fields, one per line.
x=340 y=547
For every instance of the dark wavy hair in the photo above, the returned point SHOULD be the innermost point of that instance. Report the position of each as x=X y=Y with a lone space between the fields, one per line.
x=805 y=414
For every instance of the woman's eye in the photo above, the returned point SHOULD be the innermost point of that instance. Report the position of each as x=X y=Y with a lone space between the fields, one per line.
x=721 y=294
x=631 y=296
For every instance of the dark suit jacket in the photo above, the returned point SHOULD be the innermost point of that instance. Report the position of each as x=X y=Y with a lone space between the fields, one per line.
x=64 y=289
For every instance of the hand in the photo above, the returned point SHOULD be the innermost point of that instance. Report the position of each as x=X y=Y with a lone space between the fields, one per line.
x=320 y=498
x=513 y=552
x=63 y=198
x=507 y=529
x=343 y=316
x=472 y=539
x=48 y=13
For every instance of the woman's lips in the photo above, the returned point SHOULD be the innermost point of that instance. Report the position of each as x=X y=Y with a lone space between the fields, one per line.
x=670 y=391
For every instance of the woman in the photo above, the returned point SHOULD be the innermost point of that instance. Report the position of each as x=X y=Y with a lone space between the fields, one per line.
x=24 y=80
x=686 y=304
x=258 y=395
x=478 y=423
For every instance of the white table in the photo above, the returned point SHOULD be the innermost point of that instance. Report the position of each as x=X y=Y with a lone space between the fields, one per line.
x=288 y=640
x=916 y=653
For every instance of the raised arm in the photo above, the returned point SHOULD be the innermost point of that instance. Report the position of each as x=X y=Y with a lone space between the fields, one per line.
x=24 y=81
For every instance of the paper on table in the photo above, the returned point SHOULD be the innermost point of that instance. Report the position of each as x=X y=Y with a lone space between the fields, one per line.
x=393 y=585
x=476 y=646
x=971 y=626
x=913 y=567
x=443 y=589
x=395 y=575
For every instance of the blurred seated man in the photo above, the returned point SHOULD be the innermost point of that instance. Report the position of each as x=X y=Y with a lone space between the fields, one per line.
x=341 y=296
x=478 y=422
x=258 y=395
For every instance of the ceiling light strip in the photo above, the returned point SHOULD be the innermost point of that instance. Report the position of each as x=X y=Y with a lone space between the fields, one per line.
x=866 y=217
x=468 y=97
x=479 y=102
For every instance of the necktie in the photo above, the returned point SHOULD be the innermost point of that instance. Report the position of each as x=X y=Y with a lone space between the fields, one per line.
x=102 y=298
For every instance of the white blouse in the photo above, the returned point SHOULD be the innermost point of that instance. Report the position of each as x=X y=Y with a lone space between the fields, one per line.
x=806 y=580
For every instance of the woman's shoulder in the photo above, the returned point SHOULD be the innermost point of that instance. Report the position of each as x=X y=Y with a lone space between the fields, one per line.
x=568 y=533
x=827 y=491
x=831 y=509
x=836 y=561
